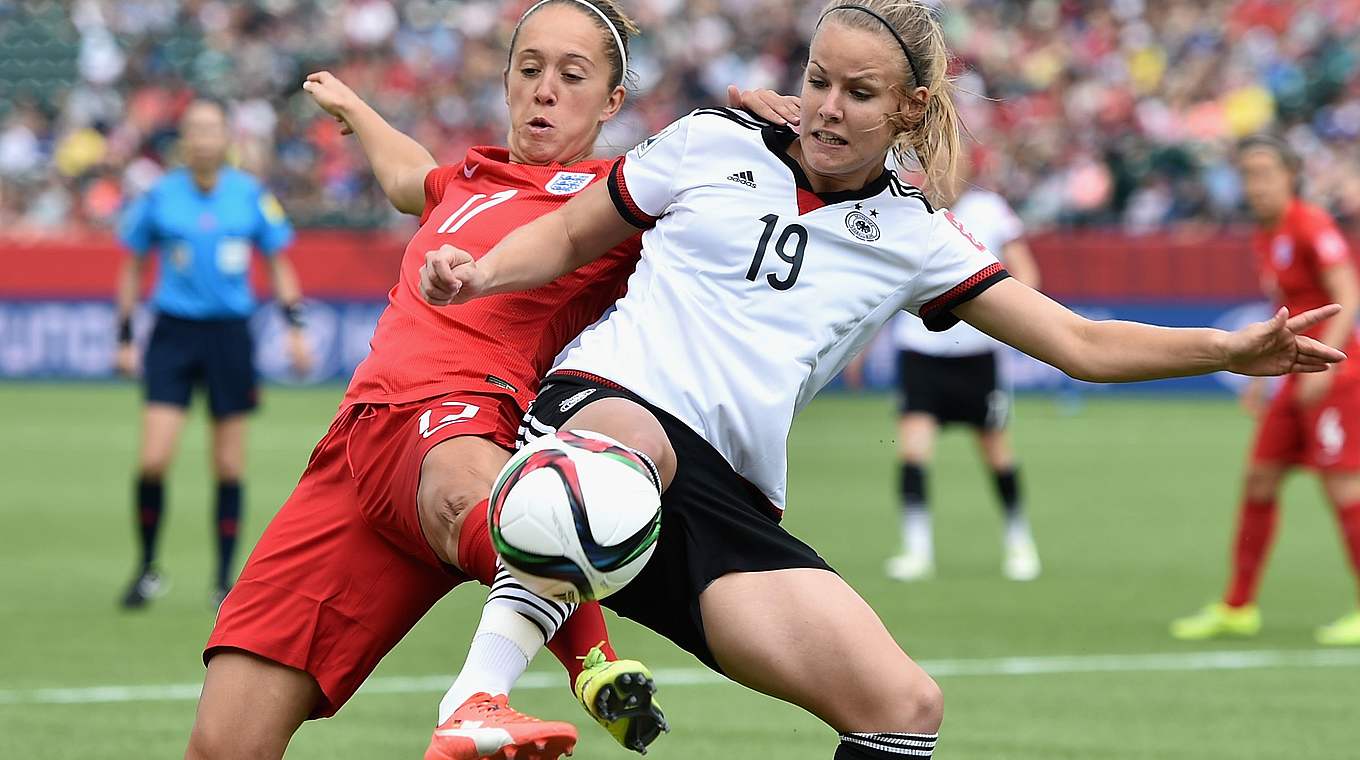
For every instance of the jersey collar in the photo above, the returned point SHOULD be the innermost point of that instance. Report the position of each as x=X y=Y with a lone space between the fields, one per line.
x=496 y=160
x=1282 y=225
x=778 y=140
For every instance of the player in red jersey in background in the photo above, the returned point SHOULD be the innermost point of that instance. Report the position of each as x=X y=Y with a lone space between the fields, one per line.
x=1313 y=420
x=373 y=535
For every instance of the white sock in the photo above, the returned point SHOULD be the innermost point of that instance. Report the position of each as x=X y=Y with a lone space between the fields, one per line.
x=1017 y=530
x=917 y=537
x=502 y=647
x=545 y=614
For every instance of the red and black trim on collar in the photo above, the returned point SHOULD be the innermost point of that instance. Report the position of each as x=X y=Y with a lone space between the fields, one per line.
x=939 y=313
x=778 y=140
x=623 y=200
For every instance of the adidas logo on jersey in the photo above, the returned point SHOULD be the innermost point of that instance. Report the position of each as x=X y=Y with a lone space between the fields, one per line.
x=745 y=178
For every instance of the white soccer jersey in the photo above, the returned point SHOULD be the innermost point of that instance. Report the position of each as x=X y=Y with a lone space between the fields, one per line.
x=991 y=222
x=753 y=291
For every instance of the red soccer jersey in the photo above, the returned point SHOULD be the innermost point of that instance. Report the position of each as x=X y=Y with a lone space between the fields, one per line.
x=1294 y=254
x=503 y=343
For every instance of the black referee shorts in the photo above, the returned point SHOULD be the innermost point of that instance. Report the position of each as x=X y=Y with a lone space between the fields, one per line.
x=215 y=353
x=713 y=521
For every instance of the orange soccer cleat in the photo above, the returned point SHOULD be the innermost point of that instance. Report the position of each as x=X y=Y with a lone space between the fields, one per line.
x=487 y=728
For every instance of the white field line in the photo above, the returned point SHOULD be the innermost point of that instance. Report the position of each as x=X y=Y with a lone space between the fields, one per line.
x=672 y=677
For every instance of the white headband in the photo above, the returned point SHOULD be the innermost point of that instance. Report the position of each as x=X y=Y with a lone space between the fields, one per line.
x=618 y=40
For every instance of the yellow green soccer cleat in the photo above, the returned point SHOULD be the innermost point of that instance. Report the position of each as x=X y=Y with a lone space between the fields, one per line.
x=1343 y=633
x=1218 y=620
x=618 y=695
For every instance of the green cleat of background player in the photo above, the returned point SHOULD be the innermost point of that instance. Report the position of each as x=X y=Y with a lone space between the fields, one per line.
x=1218 y=620
x=1344 y=632
x=618 y=694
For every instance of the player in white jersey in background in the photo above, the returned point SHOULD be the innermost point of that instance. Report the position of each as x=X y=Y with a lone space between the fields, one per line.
x=957 y=376
x=769 y=259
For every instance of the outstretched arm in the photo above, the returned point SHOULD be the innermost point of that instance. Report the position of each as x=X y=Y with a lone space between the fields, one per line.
x=1122 y=352
x=535 y=254
x=399 y=162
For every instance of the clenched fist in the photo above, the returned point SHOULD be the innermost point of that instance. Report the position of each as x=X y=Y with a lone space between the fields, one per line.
x=450 y=276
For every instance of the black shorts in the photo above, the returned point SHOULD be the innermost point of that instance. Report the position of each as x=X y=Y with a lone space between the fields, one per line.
x=713 y=521
x=217 y=353
x=966 y=389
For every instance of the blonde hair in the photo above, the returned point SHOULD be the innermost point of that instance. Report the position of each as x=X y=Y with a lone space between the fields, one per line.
x=929 y=138
x=607 y=14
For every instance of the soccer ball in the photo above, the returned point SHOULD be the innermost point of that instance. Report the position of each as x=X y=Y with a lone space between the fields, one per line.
x=575 y=516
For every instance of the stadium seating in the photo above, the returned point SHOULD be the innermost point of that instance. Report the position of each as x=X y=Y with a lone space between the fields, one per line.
x=1119 y=116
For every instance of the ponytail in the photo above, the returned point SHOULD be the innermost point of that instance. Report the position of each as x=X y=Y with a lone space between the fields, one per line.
x=927 y=135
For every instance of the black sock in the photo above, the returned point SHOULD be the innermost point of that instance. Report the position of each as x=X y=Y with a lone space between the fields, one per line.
x=150 y=504
x=912 y=485
x=885 y=746
x=1008 y=490
x=228 y=518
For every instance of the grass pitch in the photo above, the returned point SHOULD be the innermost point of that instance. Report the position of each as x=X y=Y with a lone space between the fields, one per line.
x=1132 y=500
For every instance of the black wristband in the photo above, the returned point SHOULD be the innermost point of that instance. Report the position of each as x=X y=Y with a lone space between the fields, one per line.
x=125 y=330
x=293 y=313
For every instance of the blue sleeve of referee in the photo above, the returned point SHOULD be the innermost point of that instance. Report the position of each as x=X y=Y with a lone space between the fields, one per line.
x=273 y=233
x=135 y=226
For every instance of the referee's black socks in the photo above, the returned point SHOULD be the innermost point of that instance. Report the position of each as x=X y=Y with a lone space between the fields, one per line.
x=228 y=520
x=150 y=504
x=885 y=746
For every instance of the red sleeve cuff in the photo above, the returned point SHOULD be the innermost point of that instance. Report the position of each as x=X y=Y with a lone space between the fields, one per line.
x=938 y=315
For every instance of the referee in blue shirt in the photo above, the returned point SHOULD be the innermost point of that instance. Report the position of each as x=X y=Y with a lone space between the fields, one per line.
x=203 y=220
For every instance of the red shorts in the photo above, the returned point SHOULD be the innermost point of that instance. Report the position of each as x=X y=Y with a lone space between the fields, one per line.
x=1325 y=436
x=343 y=571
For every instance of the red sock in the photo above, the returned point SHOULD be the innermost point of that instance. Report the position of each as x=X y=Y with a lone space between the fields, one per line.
x=476 y=555
x=583 y=630
x=1255 y=530
x=1349 y=517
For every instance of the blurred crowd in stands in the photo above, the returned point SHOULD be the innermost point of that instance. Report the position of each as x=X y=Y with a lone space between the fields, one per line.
x=1120 y=113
